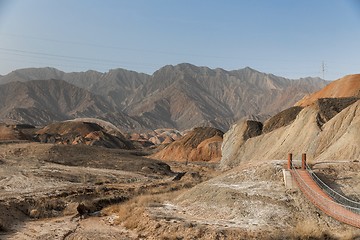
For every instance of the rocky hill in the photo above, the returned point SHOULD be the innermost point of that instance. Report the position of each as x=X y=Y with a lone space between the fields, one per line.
x=326 y=129
x=131 y=100
x=28 y=74
x=117 y=85
x=216 y=97
x=91 y=132
x=82 y=132
x=200 y=144
x=41 y=102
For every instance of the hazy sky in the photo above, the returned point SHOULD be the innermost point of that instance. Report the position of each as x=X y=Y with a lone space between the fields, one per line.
x=288 y=38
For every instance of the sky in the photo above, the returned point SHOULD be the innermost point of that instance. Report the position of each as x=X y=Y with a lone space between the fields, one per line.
x=288 y=38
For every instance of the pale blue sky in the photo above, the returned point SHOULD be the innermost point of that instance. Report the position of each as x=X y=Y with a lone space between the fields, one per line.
x=288 y=38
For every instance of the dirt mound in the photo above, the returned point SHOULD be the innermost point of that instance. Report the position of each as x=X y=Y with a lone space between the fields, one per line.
x=281 y=119
x=348 y=86
x=201 y=144
x=107 y=126
x=79 y=132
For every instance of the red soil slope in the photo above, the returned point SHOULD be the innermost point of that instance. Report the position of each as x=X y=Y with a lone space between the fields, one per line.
x=348 y=86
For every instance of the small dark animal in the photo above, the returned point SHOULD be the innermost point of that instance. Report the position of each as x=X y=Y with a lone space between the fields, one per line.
x=82 y=209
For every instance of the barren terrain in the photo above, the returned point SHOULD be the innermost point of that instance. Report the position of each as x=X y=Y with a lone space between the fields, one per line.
x=42 y=185
x=128 y=196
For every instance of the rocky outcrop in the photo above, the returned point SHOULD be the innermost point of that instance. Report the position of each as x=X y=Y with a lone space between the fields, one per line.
x=200 y=144
x=236 y=137
x=330 y=107
x=340 y=138
x=281 y=119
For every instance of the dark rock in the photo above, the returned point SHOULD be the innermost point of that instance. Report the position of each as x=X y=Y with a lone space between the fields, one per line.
x=281 y=119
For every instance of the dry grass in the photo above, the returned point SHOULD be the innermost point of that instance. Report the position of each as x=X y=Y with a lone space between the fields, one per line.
x=349 y=235
x=307 y=229
x=133 y=215
x=133 y=211
x=310 y=230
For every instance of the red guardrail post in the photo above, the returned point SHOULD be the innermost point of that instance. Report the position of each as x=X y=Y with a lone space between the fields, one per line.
x=303 y=161
x=289 y=161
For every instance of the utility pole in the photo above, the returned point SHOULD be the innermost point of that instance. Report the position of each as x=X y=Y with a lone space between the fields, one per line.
x=323 y=69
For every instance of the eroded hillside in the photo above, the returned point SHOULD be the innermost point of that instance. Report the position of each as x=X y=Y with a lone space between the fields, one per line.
x=327 y=129
x=202 y=144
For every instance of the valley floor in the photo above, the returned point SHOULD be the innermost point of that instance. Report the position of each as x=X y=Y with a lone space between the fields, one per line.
x=128 y=196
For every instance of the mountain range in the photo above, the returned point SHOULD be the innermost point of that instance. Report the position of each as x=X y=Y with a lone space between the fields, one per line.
x=182 y=96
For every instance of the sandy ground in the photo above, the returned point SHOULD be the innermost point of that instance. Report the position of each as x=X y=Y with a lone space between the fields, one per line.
x=69 y=228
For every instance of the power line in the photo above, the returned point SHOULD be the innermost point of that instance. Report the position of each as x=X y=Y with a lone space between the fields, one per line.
x=170 y=53
x=43 y=55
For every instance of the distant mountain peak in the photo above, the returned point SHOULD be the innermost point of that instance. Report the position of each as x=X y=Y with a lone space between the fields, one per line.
x=249 y=69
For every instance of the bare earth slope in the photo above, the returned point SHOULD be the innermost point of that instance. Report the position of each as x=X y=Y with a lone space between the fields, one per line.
x=348 y=86
x=340 y=138
x=200 y=144
x=304 y=135
x=238 y=134
x=119 y=86
x=39 y=102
